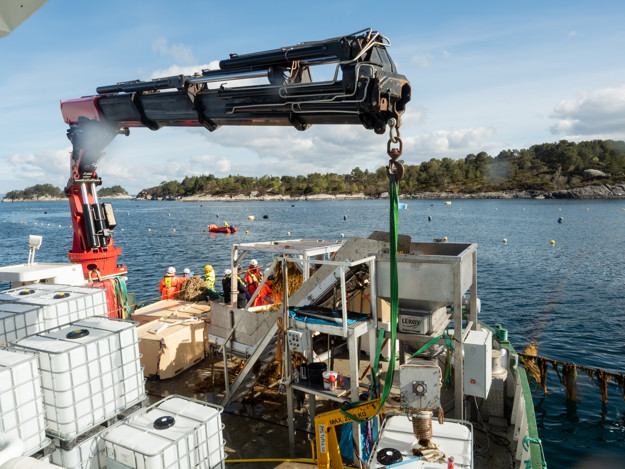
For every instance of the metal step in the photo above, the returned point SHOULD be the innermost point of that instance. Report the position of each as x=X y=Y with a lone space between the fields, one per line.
x=245 y=379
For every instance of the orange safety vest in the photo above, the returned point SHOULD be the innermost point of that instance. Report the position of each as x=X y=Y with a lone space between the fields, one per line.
x=253 y=279
x=170 y=286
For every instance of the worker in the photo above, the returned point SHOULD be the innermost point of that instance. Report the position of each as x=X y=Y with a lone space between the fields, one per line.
x=226 y=284
x=265 y=294
x=170 y=285
x=226 y=224
x=186 y=273
x=209 y=280
x=252 y=277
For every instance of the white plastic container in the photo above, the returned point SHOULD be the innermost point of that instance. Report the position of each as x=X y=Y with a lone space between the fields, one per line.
x=87 y=376
x=18 y=321
x=29 y=310
x=27 y=463
x=88 y=453
x=176 y=432
x=129 y=383
x=21 y=402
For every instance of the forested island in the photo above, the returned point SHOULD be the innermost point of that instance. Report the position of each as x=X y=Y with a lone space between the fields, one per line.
x=591 y=169
x=43 y=192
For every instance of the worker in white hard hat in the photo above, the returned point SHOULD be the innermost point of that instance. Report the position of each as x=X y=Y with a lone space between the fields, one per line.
x=186 y=273
x=252 y=277
x=226 y=284
x=266 y=295
x=170 y=285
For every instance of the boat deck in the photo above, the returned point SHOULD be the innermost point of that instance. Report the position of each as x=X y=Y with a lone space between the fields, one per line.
x=257 y=427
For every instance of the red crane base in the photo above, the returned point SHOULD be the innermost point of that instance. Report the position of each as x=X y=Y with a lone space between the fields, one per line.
x=105 y=261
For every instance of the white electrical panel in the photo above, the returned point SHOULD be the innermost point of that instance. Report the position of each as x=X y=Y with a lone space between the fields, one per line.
x=478 y=348
x=297 y=340
x=420 y=385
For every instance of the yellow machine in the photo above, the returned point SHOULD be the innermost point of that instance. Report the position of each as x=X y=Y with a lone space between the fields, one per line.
x=328 y=452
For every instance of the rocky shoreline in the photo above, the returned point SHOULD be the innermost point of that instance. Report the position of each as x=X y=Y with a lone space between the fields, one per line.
x=596 y=191
x=59 y=199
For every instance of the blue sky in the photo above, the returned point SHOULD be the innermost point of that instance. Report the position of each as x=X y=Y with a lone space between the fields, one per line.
x=485 y=76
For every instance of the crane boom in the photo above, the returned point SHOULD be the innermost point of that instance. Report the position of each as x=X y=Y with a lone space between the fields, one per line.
x=364 y=89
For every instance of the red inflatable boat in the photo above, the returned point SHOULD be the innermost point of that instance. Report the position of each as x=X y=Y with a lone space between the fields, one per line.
x=222 y=229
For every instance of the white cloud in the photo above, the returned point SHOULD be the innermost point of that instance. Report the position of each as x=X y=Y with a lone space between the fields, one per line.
x=179 y=52
x=49 y=166
x=424 y=61
x=319 y=149
x=449 y=142
x=184 y=70
x=599 y=112
x=135 y=176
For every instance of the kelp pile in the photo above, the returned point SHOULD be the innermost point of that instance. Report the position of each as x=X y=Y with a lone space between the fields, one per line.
x=194 y=289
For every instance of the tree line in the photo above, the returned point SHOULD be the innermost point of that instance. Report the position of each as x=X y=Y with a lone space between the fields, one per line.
x=544 y=167
x=48 y=190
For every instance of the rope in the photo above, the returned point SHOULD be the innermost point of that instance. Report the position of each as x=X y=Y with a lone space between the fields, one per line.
x=526 y=446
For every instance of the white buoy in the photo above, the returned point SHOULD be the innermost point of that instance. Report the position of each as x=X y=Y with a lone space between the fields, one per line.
x=288 y=233
x=505 y=241
x=342 y=235
x=250 y=217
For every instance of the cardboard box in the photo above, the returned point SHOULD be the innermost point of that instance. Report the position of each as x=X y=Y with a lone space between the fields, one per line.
x=383 y=306
x=171 y=345
x=172 y=308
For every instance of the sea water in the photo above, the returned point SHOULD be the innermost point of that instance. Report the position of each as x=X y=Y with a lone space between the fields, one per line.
x=568 y=297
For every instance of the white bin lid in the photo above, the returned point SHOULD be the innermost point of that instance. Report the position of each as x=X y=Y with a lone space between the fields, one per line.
x=20 y=294
x=51 y=297
x=11 y=359
x=11 y=307
x=62 y=340
x=103 y=323
x=139 y=434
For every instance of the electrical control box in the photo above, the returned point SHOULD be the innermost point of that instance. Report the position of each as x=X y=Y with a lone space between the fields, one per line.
x=477 y=363
x=297 y=340
x=420 y=385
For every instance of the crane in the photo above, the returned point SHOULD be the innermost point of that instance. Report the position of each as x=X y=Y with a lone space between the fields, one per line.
x=277 y=90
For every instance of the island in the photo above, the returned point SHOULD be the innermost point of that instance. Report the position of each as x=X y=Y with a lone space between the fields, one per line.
x=584 y=170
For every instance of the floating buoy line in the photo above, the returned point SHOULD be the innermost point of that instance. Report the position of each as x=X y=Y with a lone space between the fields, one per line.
x=537 y=367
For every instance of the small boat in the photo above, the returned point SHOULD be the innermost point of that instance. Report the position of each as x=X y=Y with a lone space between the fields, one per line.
x=222 y=229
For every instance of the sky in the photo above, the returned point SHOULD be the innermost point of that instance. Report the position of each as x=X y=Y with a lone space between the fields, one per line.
x=485 y=76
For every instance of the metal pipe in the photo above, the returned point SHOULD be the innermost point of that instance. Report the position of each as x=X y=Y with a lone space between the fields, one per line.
x=225 y=76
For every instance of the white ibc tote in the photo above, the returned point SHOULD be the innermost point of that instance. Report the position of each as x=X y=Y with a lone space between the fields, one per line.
x=176 y=432
x=21 y=403
x=90 y=371
x=30 y=310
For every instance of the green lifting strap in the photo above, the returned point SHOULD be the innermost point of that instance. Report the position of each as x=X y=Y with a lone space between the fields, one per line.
x=388 y=382
x=432 y=342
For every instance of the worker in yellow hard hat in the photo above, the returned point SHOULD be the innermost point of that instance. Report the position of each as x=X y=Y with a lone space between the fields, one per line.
x=209 y=280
